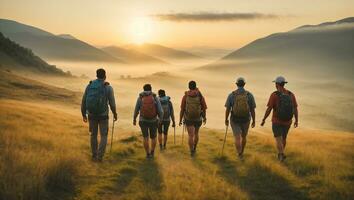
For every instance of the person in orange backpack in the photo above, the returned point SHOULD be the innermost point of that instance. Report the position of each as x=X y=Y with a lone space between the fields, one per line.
x=150 y=112
x=193 y=112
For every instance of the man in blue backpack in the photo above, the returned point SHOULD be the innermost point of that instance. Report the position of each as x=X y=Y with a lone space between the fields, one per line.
x=97 y=96
x=168 y=114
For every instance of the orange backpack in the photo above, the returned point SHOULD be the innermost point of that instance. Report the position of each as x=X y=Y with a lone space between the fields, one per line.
x=148 y=107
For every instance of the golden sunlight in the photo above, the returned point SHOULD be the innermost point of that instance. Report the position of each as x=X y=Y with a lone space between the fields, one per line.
x=140 y=29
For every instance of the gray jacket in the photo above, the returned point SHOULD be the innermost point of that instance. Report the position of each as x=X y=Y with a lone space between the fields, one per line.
x=139 y=104
x=110 y=101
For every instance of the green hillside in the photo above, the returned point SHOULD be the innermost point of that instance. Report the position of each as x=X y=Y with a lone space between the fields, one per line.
x=14 y=56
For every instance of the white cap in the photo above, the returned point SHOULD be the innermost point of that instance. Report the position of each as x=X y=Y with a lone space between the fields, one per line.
x=280 y=79
x=240 y=79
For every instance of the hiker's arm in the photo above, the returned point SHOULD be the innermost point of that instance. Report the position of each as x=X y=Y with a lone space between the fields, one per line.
x=296 y=114
x=227 y=114
x=83 y=106
x=269 y=109
x=204 y=108
x=253 y=115
x=136 y=110
x=172 y=113
x=112 y=103
x=183 y=105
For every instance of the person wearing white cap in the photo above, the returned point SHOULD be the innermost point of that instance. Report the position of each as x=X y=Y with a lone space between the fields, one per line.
x=241 y=104
x=284 y=106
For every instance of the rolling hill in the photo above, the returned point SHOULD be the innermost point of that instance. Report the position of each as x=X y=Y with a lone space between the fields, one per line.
x=14 y=56
x=327 y=44
x=53 y=47
x=131 y=56
x=162 y=52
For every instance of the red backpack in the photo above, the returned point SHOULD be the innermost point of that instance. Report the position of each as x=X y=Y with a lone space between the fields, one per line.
x=148 y=107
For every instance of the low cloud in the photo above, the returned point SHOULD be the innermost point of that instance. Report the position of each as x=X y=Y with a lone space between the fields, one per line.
x=212 y=16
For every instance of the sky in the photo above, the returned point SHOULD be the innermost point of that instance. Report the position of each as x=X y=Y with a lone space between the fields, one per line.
x=180 y=24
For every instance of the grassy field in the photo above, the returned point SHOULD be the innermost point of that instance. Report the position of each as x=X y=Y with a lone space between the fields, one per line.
x=45 y=155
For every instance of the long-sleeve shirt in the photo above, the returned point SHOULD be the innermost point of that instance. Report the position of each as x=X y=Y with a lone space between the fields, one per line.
x=110 y=101
x=139 y=103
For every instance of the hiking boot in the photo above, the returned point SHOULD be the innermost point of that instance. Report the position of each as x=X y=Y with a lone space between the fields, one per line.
x=99 y=159
x=195 y=147
x=164 y=146
x=281 y=157
x=94 y=158
x=152 y=154
x=161 y=148
x=240 y=156
x=192 y=153
x=147 y=156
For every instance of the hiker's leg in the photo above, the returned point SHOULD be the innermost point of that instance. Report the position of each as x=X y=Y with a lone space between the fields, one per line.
x=245 y=128
x=236 y=129
x=278 y=132
x=160 y=131
x=165 y=132
x=153 y=132
x=145 y=133
x=285 y=135
x=196 y=134
x=191 y=131
x=93 y=128
x=103 y=125
x=280 y=146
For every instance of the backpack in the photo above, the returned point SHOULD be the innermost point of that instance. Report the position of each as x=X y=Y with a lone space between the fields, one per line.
x=285 y=108
x=165 y=104
x=240 y=109
x=96 y=100
x=193 y=108
x=148 y=107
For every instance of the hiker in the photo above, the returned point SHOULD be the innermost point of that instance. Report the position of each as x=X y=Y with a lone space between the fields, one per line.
x=193 y=113
x=151 y=112
x=284 y=106
x=98 y=94
x=168 y=115
x=241 y=104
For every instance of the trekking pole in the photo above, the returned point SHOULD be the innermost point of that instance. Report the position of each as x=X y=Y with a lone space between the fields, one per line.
x=182 y=134
x=174 y=135
x=223 y=145
x=110 y=150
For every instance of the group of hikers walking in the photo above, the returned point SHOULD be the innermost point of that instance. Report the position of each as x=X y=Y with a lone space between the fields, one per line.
x=156 y=113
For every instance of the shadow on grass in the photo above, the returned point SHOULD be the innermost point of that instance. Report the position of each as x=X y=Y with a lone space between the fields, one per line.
x=126 y=175
x=129 y=139
x=151 y=176
x=258 y=181
x=301 y=167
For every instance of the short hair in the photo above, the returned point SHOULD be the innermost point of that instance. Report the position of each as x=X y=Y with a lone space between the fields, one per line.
x=162 y=93
x=281 y=84
x=241 y=83
x=147 y=87
x=192 y=85
x=101 y=73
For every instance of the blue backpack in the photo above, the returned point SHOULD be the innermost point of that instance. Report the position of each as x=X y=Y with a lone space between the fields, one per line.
x=96 y=99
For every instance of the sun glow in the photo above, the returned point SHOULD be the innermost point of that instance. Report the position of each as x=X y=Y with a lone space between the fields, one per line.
x=140 y=29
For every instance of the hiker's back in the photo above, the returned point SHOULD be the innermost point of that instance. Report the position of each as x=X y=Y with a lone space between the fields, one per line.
x=96 y=98
x=148 y=106
x=193 y=107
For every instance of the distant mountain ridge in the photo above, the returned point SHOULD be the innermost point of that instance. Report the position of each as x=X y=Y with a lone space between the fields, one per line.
x=131 y=55
x=17 y=57
x=320 y=46
x=53 y=47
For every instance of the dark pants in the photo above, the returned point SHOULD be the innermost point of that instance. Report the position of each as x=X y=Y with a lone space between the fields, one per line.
x=280 y=130
x=148 y=129
x=163 y=127
x=102 y=124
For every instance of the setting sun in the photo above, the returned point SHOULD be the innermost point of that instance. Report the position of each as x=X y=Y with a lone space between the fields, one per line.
x=140 y=29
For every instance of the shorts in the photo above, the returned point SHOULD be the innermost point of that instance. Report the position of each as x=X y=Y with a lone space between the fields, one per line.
x=196 y=124
x=163 y=127
x=280 y=130
x=240 y=128
x=148 y=129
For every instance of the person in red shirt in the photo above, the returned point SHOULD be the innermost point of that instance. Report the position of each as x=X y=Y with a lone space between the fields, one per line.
x=284 y=106
x=193 y=114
